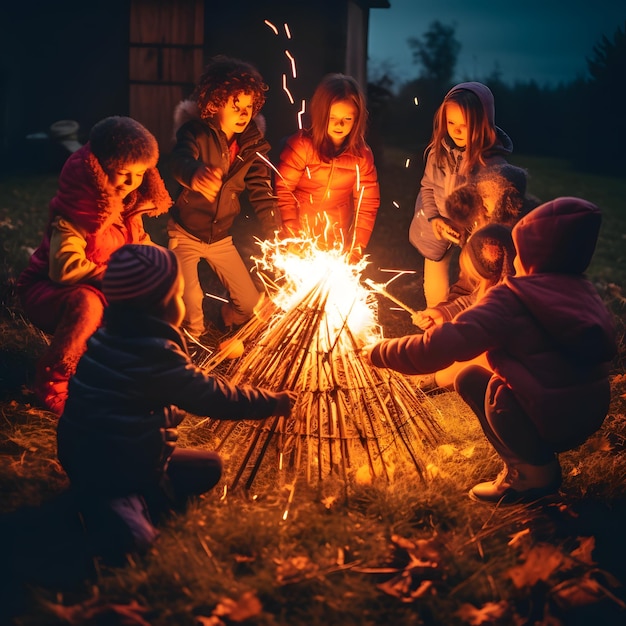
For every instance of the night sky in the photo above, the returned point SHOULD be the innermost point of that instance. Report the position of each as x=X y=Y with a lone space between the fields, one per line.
x=547 y=41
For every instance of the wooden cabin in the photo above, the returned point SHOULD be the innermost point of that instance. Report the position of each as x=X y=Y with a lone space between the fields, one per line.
x=87 y=60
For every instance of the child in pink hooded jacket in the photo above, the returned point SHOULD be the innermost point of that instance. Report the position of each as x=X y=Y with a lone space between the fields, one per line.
x=105 y=189
x=549 y=341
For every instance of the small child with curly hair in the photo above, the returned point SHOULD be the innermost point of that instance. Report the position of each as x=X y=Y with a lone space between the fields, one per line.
x=218 y=155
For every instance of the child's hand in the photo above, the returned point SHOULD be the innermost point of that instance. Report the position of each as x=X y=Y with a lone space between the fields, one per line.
x=208 y=181
x=443 y=230
x=427 y=318
x=366 y=353
x=285 y=403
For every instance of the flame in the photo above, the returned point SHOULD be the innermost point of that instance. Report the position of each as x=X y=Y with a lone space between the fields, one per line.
x=303 y=264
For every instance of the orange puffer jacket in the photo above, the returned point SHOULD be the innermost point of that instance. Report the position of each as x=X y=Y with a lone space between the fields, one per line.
x=336 y=199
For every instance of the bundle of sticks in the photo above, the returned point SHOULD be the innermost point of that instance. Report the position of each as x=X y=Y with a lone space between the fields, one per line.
x=348 y=416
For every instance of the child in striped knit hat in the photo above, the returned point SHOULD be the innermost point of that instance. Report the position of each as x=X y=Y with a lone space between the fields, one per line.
x=117 y=435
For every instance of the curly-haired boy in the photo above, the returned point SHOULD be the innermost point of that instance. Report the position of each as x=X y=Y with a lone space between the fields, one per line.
x=218 y=154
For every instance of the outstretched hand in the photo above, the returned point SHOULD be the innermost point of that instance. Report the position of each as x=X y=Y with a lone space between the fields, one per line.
x=285 y=403
x=208 y=181
x=427 y=318
x=366 y=354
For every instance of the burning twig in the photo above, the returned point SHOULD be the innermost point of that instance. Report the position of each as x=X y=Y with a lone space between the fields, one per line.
x=383 y=292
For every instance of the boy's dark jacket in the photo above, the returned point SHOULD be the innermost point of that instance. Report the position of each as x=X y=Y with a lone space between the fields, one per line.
x=547 y=334
x=118 y=427
x=201 y=143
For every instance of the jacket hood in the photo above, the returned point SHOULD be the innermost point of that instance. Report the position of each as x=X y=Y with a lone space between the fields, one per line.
x=558 y=236
x=484 y=94
x=187 y=111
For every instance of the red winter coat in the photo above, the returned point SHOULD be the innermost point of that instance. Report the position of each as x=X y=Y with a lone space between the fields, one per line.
x=102 y=220
x=345 y=189
x=547 y=334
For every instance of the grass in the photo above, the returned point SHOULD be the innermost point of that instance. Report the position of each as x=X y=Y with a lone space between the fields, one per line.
x=401 y=552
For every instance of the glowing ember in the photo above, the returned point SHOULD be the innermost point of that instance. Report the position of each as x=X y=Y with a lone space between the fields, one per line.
x=292 y=60
x=300 y=114
x=270 y=25
x=286 y=89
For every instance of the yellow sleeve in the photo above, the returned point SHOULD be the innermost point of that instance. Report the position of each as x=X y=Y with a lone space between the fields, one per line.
x=68 y=263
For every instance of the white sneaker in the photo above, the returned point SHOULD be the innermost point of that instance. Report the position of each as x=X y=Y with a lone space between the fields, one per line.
x=520 y=482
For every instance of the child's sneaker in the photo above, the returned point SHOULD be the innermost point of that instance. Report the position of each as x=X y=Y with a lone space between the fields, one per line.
x=134 y=513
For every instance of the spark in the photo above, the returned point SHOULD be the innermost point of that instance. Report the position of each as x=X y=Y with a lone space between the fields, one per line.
x=358 y=178
x=308 y=171
x=271 y=26
x=211 y=295
x=416 y=101
x=293 y=63
x=301 y=113
x=395 y=204
x=286 y=89
x=407 y=163
x=287 y=31
x=224 y=492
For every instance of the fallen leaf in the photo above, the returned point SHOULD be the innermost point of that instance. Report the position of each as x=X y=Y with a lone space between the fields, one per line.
x=600 y=444
x=541 y=561
x=578 y=592
x=585 y=548
x=95 y=610
x=489 y=613
x=295 y=569
x=240 y=610
x=401 y=586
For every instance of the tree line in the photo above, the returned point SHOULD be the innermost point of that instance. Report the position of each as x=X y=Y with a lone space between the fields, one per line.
x=583 y=121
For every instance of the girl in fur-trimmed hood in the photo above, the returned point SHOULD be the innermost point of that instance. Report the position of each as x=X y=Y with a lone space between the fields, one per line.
x=105 y=188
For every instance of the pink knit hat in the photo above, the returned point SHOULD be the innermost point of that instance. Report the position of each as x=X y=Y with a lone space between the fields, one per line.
x=117 y=140
x=140 y=276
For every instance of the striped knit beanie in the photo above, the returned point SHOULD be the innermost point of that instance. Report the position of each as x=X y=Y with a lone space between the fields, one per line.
x=140 y=276
x=491 y=251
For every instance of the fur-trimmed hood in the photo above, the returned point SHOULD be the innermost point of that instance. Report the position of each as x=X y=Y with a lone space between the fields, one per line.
x=85 y=196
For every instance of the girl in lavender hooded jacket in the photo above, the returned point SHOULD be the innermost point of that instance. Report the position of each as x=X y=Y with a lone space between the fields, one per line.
x=465 y=140
x=549 y=341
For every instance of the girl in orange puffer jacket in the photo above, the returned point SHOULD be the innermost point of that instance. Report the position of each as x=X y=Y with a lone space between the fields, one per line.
x=328 y=185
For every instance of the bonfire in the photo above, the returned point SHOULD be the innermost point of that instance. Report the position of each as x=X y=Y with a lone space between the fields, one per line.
x=350 y=420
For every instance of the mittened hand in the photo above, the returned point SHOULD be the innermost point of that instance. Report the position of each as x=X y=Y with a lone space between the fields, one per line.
x=286 y=400
x=208 y=181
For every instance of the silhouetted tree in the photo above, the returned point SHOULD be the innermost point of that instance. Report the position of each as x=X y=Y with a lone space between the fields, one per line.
x=605 y=130
x=437 y=52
